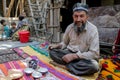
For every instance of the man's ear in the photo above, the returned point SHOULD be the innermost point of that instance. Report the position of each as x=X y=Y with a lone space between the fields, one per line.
x=87 y=16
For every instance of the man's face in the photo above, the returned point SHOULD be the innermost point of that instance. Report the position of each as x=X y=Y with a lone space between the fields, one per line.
x=79 y=17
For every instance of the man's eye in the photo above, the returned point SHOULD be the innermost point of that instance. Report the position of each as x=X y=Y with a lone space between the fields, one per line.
x=76 y=16
x=81 y=15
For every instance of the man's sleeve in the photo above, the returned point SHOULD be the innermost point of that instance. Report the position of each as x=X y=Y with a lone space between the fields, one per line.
x=93 y=52
x=65 y=40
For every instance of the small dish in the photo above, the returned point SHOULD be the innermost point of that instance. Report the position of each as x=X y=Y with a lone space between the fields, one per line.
x=36 y=74
x=28 y=70
x=43 y=70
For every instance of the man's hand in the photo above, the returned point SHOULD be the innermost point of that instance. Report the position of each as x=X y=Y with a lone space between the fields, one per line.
x=54 y=47
x=69 y=57
x=113 y=49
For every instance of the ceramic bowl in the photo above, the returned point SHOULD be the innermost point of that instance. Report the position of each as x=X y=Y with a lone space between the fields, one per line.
x=36 y=74
x=28 y=70
x=43 y=70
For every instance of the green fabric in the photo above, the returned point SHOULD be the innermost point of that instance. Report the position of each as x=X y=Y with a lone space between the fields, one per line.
x=40 y=50
x=110 y=77
x=116 y=70
x=106 y=62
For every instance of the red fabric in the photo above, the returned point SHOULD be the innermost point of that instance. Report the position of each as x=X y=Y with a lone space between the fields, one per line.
x=117 y=42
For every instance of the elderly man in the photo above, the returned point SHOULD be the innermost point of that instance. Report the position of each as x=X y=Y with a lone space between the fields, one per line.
x=79 y=50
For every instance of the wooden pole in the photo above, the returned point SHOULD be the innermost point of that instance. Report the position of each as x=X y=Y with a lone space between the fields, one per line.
x=17 y=8
x=21 y=7
x=9 y=8
x=4 y=7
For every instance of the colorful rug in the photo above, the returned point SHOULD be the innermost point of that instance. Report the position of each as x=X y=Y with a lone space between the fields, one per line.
x=19 y=65
x=29 y=50
x=44 y=62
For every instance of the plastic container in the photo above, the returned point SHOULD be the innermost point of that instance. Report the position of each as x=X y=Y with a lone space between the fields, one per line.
x=24 y=36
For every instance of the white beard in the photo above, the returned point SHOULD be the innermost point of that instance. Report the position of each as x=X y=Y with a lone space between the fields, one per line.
x=79 y=29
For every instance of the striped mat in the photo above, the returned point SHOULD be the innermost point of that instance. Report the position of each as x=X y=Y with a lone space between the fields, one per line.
x=20 y=66
x=44 y=62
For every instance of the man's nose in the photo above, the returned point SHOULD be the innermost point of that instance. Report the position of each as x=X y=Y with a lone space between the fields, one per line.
x=78 y=19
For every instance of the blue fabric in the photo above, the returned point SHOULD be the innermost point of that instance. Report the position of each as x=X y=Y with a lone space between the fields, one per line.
x=7 y=31
x=20 y=24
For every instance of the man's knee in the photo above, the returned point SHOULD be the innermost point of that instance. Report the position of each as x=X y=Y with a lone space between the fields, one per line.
x=95 y=65
x=93 y=69
x=52 y=53
x=82 y=67
x=56 y=56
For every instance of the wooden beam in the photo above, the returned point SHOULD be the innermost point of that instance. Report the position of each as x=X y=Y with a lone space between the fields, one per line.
x=4 y=7
x=9 y=8
x=21 y=7
x=23 y=1
x=17 y=8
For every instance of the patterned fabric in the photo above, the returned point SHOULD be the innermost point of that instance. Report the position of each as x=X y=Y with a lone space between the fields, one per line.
x=19 y=65
x=8 y=55
x=21 y=53
x=110 y=70
x=42 y=63
x=14 y=65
